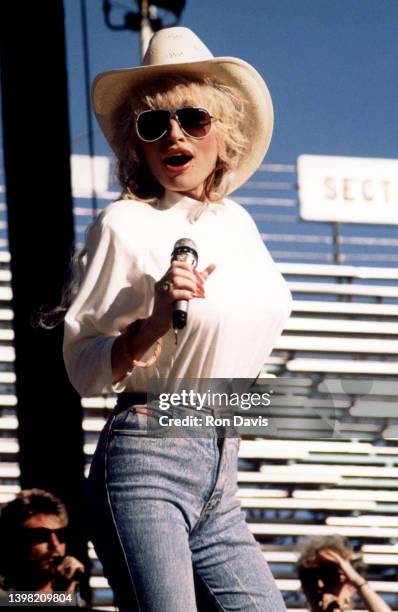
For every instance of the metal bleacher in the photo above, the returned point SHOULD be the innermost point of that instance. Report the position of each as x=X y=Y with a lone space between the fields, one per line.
x=330 y=463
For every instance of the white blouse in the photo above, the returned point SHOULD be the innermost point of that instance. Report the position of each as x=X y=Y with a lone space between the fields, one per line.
x=229 y=334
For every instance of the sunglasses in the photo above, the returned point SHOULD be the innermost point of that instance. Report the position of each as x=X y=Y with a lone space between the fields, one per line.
x=42 y=535
x=152 y=125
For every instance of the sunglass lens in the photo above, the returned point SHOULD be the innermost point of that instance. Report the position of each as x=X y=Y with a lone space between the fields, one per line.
x=195 y=121
x=151 y=125
x=40 y=535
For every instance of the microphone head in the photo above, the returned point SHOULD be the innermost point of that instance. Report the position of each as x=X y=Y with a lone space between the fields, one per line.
x=185 y=249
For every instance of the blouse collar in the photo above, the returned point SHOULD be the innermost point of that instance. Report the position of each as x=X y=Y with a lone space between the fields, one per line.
x=195 y=208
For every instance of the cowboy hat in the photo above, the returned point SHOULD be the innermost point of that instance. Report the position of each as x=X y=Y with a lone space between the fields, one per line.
x=179 y=51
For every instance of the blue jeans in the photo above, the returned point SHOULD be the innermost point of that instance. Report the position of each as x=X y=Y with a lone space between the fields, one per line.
x=163 y=511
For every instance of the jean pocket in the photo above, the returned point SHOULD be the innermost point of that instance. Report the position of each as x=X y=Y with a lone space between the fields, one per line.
x=132 y=423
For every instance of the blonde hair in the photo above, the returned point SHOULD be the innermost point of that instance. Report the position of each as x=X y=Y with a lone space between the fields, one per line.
x=172 y=91
x=136 y=180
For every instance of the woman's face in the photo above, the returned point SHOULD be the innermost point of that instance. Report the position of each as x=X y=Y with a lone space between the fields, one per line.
x=199 y=157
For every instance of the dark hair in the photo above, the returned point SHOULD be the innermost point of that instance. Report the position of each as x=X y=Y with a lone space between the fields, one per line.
x=28 y=502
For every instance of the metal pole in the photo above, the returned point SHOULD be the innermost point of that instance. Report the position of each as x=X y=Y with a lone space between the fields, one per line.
x=337 y=243
x=90 y=130
x=146 y=30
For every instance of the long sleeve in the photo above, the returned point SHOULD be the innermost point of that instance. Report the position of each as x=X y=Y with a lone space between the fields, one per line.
x=108 y=299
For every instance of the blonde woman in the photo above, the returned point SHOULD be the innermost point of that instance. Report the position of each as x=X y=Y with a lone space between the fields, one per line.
x=186 y=129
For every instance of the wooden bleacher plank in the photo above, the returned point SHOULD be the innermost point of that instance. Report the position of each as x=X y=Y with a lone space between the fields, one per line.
x=340 y=289
x=378 y=586
x=291 y=557
x=7 y=354
x=9 y=470
x=331 y=494
x=7 y=378
x=246 y=476
x=257 y=448
x=380 y=548
x=345 y=366
x=7 y=399
x=9 y=446
x=304 y=504
x=363 y=520
x=338 y=386
x=8 y=422
x=359 y=459
x=374 y=410
x=295 y=529
x=341 y=470
x=336 y=345
x=312 y=324
x=5 y=294
x=262 y=493
x=361 y=272
x=293 y=478
x=350 y=308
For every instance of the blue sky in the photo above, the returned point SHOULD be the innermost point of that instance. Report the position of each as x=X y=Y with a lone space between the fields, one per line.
x=331 y=67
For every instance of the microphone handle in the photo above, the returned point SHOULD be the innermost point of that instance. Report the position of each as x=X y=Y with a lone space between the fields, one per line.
x=180 y=314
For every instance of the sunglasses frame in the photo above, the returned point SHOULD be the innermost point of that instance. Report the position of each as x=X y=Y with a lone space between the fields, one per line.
x=31 y=534
x=173 y=115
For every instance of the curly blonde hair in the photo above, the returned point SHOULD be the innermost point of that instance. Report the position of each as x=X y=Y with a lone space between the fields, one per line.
x=136 y=180
x=171 y=91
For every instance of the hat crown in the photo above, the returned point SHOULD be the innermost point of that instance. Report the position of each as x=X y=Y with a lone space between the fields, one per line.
x=175 y=46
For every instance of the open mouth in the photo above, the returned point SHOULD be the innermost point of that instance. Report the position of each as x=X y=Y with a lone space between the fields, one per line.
x=179 y=159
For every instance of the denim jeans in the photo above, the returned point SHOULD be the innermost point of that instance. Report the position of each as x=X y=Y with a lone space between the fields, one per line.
x=163 y=511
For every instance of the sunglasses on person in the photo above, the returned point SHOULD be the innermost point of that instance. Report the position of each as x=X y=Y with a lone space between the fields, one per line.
x=152 y=125
x=42 y=535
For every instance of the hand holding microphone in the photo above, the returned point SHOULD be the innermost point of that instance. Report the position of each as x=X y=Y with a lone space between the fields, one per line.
x=181 y=283
x=68 y=571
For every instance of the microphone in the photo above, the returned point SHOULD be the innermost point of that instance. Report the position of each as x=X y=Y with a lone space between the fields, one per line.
x=184 y=250
x=77 y=575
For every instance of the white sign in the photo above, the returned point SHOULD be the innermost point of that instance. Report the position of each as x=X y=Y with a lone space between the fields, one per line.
x=348 y=189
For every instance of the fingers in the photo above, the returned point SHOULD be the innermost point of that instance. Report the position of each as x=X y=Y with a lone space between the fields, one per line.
x=204 y=275
x=69 y=566
x=328 y=555
x=182 y=278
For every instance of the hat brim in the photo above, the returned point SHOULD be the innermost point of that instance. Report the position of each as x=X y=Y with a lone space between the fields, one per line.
x=111 y=88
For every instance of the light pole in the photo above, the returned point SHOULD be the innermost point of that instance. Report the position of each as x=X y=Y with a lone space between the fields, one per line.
x=145 y=20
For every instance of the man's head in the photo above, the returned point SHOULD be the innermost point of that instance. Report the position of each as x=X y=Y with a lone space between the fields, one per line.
x=319 y=576
x=33 y=533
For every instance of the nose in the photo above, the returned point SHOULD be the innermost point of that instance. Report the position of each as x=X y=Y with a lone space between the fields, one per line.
x=174 y=132
x=54 y=543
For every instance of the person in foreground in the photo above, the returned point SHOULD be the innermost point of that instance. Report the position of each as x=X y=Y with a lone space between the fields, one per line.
x=328 y=575
x=187 y=129
x=33 y=556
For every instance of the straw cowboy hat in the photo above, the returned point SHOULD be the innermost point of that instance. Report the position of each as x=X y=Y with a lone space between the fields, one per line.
x=179 y=51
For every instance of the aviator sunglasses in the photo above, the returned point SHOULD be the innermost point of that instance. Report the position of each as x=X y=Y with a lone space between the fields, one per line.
x=152 y=125
x=41 y=535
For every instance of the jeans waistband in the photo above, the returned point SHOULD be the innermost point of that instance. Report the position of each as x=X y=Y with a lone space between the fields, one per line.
x=129 y=399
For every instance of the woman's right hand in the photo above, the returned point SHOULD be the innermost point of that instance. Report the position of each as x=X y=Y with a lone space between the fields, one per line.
x=185 y=283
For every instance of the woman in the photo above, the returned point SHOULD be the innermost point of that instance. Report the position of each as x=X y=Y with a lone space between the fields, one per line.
x=328 y=571
x=187 y=128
